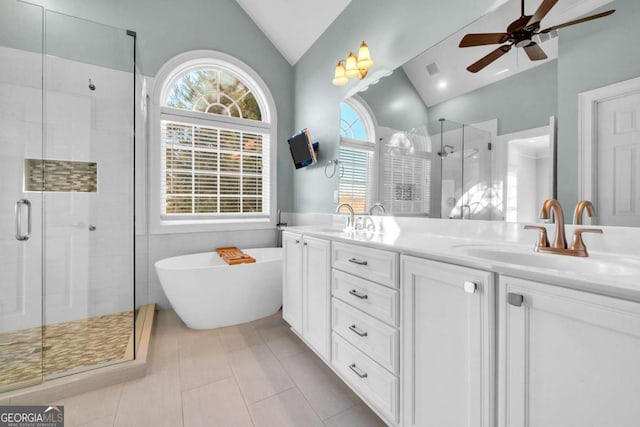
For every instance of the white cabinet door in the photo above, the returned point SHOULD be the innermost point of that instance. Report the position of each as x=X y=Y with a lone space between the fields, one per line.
x=316 y=294
x=292 y=284
x=568 y=358
x=448 y=329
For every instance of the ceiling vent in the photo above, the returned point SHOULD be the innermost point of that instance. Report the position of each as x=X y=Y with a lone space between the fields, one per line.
x=433 y=69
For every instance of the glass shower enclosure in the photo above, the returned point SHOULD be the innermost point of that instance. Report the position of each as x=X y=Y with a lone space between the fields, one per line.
x=441 y=170
x=66 y=195
x=466 y=190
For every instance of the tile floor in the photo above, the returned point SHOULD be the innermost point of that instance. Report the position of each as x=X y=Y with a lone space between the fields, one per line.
x=255 y=374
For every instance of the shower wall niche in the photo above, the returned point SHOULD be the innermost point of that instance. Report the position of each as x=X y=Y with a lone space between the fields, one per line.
x=66 y=194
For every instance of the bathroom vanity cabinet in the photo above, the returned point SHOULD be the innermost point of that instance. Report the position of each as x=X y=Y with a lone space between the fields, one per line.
x=431 y=343
x=292 y=280
x=448 y=329
x=307 y=289
x=365 y=338
x=567 y=357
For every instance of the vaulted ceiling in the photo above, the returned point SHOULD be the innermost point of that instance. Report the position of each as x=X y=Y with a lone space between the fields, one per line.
x=293 y=25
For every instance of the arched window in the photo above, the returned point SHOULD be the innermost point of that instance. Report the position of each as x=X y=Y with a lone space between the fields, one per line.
x=357 y=155
x=216 y=126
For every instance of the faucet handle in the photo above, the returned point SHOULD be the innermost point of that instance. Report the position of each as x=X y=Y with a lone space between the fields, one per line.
x=578 y=244
x=543 y=241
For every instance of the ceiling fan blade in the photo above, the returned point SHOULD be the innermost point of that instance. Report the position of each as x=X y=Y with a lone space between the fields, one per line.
x=486 y=60
x=535 y=52
x=483 y=39
x=579 y=21
x=542 y=11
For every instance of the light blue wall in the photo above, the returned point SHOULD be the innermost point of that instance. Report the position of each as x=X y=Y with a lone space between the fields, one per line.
x=520 y=102
x=395 y=102
x=166 y=28
x=395 y=32
x=592 y=55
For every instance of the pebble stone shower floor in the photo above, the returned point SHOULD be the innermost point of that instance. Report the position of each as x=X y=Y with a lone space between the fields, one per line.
x=67 y=347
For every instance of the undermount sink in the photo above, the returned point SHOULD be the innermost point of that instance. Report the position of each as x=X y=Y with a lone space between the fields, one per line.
x=593 y=264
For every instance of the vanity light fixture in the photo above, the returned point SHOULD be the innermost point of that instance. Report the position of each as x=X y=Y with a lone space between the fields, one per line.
x=353 y=66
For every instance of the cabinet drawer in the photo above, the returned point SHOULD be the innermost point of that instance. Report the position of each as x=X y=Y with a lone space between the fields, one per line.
x=376 y=300
x=377 y=385
x=372 y=337
x=373 y=264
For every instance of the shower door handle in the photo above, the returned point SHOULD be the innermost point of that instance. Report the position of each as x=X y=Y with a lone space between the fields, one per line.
x=19 y=236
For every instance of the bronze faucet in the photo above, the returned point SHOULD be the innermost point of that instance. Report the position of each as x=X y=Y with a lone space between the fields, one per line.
x=559 y=244
x=552 y=205
x=580 y=208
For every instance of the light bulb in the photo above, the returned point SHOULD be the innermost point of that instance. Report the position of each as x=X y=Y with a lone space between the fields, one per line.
x=339 y=79
x=364 y=57
x=352 y=66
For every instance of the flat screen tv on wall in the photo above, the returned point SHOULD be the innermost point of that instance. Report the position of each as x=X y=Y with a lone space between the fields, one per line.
x=303 y=149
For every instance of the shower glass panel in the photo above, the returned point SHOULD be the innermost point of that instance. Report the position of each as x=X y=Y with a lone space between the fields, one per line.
x=88 y=195
x=479 y=197
x=465 y=179
x=21 y=244
x=451 y=136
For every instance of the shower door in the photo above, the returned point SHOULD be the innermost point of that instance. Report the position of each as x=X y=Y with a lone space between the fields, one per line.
x=21 y=234
x=88 y=215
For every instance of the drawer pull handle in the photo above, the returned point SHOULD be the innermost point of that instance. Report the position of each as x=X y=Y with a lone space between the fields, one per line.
x=357 y=261
x=358 y=294
x=515 y=299
x=470 y=287
x=358 y=331
x=359 y=372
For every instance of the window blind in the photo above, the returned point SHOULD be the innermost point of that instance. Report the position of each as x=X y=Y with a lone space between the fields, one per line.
x=406 y=183
x=355 y=186
x=213 y=171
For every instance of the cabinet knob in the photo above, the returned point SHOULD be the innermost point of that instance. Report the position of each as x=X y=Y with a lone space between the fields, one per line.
x=305 y=243
x=297 y=241
x=470 y=287
x=515 y=299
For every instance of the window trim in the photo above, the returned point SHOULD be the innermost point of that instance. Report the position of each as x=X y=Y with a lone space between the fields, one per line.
x=166 y=77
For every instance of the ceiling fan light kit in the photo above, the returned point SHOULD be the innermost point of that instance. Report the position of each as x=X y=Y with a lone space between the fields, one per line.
x=520 y=33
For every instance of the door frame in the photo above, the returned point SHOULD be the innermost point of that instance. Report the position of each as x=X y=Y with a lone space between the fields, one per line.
x=588 y=132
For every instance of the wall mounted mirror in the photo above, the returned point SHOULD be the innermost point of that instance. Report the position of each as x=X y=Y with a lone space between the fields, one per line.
x=493 y=156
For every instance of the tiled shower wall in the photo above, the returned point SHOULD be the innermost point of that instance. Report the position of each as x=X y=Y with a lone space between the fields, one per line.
x=89 y=262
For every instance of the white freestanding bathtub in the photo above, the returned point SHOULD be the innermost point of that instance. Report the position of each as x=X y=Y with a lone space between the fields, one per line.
x=207 y=293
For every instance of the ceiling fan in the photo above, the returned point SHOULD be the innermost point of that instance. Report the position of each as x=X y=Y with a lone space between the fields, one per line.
x=519 y=34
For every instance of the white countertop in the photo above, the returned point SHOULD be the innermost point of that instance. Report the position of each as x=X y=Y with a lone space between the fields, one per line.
x=576 y=273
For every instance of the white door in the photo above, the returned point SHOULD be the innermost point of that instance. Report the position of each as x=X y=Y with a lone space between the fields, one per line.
x=316 y=294
x=292 y=291
x=568 y=358
x=618 y=161
x=448 y=333
x=20 y=243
